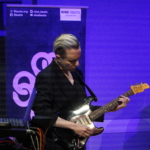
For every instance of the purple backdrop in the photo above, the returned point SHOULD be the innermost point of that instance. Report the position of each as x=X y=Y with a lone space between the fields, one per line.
x=117 y=55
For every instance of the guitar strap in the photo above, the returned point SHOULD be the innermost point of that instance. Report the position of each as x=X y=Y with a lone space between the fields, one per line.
x=87 y=87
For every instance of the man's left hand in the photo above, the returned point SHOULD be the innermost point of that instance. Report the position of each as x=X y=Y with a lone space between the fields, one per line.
x=122 y=102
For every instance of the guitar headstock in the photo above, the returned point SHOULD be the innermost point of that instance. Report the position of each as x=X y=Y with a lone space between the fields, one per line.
x=139 y=88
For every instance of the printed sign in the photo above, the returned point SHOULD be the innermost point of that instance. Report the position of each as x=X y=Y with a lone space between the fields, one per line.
x=70 y=14
x=31 y=32
x=26 y=12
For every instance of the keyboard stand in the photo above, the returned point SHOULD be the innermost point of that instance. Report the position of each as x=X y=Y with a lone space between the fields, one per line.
x=18 y=136
x=39 y=126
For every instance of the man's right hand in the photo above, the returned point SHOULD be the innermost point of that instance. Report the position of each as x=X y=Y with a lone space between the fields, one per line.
x=79 y=129
x=82 y=130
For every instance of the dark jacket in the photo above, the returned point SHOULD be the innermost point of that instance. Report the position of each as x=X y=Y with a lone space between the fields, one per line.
x=55 y=93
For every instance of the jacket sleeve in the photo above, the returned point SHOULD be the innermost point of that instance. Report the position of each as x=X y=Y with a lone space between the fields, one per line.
x=43 y=102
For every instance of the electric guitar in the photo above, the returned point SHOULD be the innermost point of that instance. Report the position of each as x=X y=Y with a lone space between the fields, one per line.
x=83 y=115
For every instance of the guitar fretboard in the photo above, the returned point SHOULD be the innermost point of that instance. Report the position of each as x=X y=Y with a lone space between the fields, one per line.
x=108 y=107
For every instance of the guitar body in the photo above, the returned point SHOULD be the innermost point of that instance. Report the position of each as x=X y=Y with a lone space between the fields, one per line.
x=83 y=115
x=79 y=116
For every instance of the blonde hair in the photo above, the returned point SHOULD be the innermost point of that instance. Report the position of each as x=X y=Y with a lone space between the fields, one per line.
x=63 y=42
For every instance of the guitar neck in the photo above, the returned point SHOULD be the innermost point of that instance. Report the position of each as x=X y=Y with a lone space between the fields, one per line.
x=108 y=107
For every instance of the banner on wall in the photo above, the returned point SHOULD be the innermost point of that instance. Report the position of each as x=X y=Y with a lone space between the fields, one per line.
x=31 y=31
